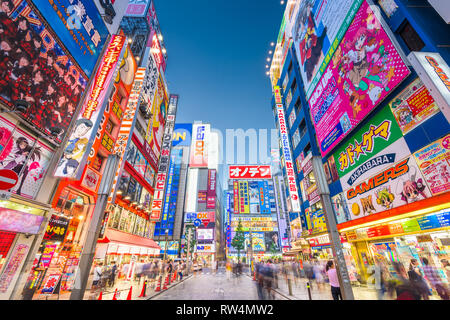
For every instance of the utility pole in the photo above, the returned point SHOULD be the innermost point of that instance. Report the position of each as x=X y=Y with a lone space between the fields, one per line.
x=330 y=219
x=87 y=255
x=188 y=255
x=251 y=252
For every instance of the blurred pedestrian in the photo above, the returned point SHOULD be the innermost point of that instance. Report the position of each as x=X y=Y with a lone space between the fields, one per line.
x=318 y=275
x=334 y=281
x=415 y=275
x=268 y=279
x=228 y=268
x=112 y=276
x=405 y=289
x=435 y=280
x=446 y=267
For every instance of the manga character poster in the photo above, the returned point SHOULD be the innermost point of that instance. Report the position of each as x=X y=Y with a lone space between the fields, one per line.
x=434 y=162
x=319 y=24
x=26 y=156
x=36 y=70
x=272 y=241
x=365 y=68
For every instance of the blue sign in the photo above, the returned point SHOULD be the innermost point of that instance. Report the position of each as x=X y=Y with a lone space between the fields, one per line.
x=428 y=222
x=80 y=28
x=197 y=222
x=182 y=134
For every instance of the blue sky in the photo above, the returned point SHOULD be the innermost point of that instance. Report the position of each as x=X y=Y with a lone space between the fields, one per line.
x=217 y=54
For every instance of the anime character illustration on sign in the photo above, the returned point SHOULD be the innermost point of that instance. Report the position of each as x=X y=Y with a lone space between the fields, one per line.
x=413 y=190
x=311 y=45
x=366 y=204
x=385 y=197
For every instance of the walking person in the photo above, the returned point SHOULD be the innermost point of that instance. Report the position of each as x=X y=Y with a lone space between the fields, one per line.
x=435 y=280
x=334 y=281
x=112 y=276
x=415 y=275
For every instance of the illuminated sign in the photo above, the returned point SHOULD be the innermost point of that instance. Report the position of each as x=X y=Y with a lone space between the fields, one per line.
x=199 y=147
x=79 y=144
x=124 y=136
x=249 y=172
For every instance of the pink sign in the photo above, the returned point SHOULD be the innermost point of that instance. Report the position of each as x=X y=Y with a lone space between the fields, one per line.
x=14 y=263
x=17 y=221
x=365 y=68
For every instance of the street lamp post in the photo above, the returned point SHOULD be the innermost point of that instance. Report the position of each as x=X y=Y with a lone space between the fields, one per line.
x=188 y=255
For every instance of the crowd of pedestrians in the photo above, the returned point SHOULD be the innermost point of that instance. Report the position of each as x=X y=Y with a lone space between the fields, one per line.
x=392 y=282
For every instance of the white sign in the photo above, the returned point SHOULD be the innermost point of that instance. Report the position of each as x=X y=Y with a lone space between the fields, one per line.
x=435 y=74
x=206 y=248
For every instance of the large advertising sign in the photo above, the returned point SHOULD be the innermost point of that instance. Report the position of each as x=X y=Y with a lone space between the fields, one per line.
x=341 y=211
x=26 y=156
x=157 y=53
x=205 y=234
x=161 y=177
x=206 y=248
x=434 y=162
x=264 y=204
x=76 y=151
x=15 y=261
x=365 y=68
x=199 y=147
x=292 y=182
x=258 y=243
x=413 y=106
x=249 y=172
x=244 y=204
x=272 y=241
x=79 y=26
x=376 y=145
x=205 y=217
x=150 y=84
x=35 y=67
x=17 y=221
x=137 y=8
x=56 y=228
x=182 y=134
x=253 y=191
x=211 y=192
x=319 y=28
x=395 y=186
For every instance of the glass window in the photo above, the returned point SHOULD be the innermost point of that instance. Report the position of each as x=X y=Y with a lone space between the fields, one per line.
x=411 y=38
x=123 y=182
x=292 y=118
x=296 y=138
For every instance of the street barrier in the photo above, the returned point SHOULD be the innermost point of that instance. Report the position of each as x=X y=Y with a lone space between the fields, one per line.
x=144 y=289
x=115 y=295
x=100 y=296
x=130 y=293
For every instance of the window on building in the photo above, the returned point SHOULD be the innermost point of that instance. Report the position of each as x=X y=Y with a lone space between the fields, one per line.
x=294 y=85
x=297 y=105
x=302 y=128
x=290 y=69
x=307 y=149
x=411 y=37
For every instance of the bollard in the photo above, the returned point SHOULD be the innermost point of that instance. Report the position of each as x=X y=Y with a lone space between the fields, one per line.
x=290 y=286
x=309 y=290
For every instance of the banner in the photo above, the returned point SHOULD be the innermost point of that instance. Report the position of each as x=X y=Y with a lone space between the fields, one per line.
x=211 y=192
x=236 y=196
x=272 y=241
x=413 y=106
x=434 y=163
x=395 y=186
x=244 y=205
x=249 y=172
x=36 y=68
x=76 y=151
x=199 y=147
x=17 y=221
x=365 y=68
x=319 y=27
x=161 y=177
x=254 y=197
x=15 y=261
x=205 y=234
x=258 y=243
x=341 y=211
x=375 y=146
x=288 y=160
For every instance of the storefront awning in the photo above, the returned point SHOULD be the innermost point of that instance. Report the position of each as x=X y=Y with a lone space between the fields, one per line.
x=123 y=237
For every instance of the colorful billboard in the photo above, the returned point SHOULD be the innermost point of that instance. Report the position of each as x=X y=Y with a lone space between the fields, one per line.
x=319 y=27
x=365 y=68
x=249 y=172
x=376 y=145
x=434 y=162
x=395 y=186
x=17 y=221
x=244 y=204
x=199 y=147
x=341 y=211
x=253 y=191
x=56 y=228
x=205 y=234
x=413 y=106
x=272 y=241
x=236 y=196
x=182 y=134
x=36 y=68
x=79 y=26
x=76 y=151
x=137 y=8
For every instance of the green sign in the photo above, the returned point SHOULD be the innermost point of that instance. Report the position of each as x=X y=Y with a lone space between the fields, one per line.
x=411 y=226
x=380 y=132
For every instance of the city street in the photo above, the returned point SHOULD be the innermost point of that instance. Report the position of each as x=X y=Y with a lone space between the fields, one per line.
x=206 y=285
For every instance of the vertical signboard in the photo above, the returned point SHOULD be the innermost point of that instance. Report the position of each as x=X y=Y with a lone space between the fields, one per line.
x=76 y=151
x=163 y=167
x=365 y=68
x=244 y=205
x=289 y=165
x=211 y=192
x=199 y=147
x=236 y=196
x=124 y=136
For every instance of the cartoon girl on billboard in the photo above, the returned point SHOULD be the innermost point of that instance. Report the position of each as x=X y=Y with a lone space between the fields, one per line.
x=385 y=197
x=412 y=189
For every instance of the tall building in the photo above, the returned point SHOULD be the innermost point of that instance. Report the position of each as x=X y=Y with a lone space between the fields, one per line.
x=361 y=103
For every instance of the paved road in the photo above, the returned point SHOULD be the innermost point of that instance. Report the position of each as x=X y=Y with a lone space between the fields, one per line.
x=207 y=285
